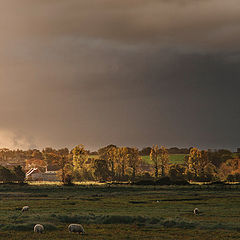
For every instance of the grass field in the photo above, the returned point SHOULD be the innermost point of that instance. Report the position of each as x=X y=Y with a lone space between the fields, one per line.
x=174 y=158
x=120 y=212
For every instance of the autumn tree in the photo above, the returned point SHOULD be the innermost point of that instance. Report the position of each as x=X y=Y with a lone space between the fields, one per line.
x=63 y=161
x=103 y=152
x=109 y=154
x=230 y=167
x=5 y=154
x=160 y=159
x=197 y=161
x=155 y=158
x=134 y=159
x=80 y=157
x=49 y=150
x=192 y=161
x=36 y=154
x=202 y=163
x=111 y=160
x=211 y=172
x=33 y=163
x=101 y=171
x=121 y=161
x=50 y=158
x=164 y=160
x=49 y=155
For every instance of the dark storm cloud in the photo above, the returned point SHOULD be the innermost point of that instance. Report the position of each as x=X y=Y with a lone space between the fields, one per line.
x=129 y=73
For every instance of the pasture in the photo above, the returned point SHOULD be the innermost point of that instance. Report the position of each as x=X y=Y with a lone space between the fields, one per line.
x=173 y=158
x=110 y=212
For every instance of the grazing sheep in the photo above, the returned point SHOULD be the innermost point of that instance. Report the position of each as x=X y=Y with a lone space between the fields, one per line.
x=25 y=208
x=78 y=228
x=196 y=211
x=38 y=228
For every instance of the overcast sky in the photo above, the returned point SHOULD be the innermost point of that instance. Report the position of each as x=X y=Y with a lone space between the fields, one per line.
x=132 y=72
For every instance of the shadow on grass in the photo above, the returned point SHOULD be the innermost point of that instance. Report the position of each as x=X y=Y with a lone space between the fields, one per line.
x=116 y=219
x=145 y=221
x=26 y=227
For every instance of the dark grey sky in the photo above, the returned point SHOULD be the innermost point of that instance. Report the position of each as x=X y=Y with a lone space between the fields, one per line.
x=131 y=72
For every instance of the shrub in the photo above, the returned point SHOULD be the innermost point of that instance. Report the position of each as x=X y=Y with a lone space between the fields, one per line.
x=164 y=181
x=68 y=180
x=230 y=178
x=145 y=182
x=233 y=177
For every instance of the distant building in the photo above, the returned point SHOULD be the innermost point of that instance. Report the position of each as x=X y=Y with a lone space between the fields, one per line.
x=34 y=174
x=50 y=173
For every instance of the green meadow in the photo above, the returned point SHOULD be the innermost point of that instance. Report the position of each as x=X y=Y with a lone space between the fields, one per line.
x=109 y=212
x=174 y=158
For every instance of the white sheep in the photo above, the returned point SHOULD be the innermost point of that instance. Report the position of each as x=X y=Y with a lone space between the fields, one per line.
x=78 y=228
x=196 y=211
x=38 y=228
x=25 y=208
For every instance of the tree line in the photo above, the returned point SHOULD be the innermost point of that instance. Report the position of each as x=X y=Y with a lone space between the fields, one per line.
x=112 y=163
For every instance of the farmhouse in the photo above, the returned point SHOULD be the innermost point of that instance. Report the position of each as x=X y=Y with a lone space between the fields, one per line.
x=38 y=174
x=34 y=174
